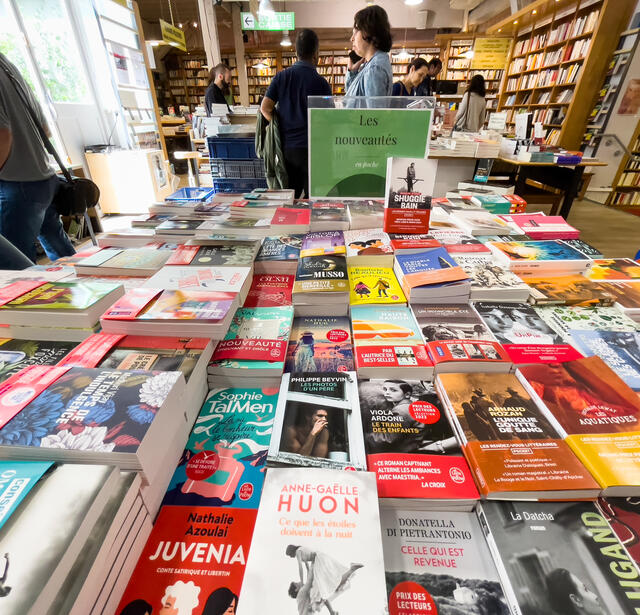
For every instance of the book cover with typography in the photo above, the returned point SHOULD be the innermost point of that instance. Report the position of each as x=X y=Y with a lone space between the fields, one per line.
x=326 y=553
x=194 y=562
x=270 y=290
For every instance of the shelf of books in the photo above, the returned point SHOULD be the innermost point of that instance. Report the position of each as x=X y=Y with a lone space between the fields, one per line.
x=440 y=421
x=196 y=79
x=625 y=192
x=552 y=66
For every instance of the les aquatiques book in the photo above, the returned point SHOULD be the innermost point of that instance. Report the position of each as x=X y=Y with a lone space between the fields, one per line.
x=410 y=445
x=320 y=344
x=318 y=422
x=188 y=544
x=510 y=444
x=223 y=463
x=559 y=557
x=374 y=286
x=16 y=354
x=438 y=562
x=596 y=413
x=326 y=554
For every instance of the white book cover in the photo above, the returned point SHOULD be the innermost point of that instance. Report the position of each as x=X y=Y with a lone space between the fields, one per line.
x=481 y=223
x=220 y=279
x=487 y=274
x=410 y=182
x=316 y=546
x=367 y=241
x=441 y=560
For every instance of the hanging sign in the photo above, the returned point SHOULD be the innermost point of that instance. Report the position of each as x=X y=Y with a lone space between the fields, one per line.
x=172 y=35
x=490 y=53
x=272 y=21
x=349 y=147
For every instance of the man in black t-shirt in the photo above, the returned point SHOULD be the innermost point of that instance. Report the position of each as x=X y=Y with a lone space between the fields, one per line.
x=290 y=89
x=219 y=81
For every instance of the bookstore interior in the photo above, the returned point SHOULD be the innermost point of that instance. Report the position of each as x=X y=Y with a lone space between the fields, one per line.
x=319 y=307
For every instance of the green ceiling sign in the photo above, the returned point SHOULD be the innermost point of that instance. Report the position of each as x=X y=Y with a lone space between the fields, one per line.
x=274 y=21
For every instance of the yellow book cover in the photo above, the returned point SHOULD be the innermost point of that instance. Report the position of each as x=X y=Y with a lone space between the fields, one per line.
x=374 y=286
x=612 y=459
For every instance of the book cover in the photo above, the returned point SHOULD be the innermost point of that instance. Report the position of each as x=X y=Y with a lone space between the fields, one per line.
x=318 y=422
x=187 y=544
x=257 y=339
x=410 y=183
x=568 y=290
x=17 y=478
x=366 y=242
x=286 y=216
x=320 y=243
x=438 y=562
x=17 y=354
x=223 y=463
x=627 y=295
x=559 y=558
x=620 y=350
x=187 y=305
x=374 y=286
x=216 y=279
x=321 y=274
x=429 y=267
x=487 y=275
x=414 y=243
x=134 y=258
x=467 y=352
x=549 y=250
x=187 y=227
x=329 y=211
x=409 y=443
x=509 y=443
x=213 y=256
x=91 y=409
x=326 y=555
x=406 y=221
x=68 y=296
x=456 y=321
x=583 y=247
x=282 y=248
x=622 y=515
x=480 y=222
x=270 y=290
x=614 y=269
x=458 y=242
x=387 y=337
x=320 y=344
x=585 y=397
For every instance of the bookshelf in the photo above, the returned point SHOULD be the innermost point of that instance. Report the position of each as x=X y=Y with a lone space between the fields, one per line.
x=625 y=192
x=556 y=61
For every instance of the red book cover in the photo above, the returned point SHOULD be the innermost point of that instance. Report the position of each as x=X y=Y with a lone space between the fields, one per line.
x=193 y=562
x=270 y=290
x=465 y=351
x=529 y=354
x=396 y=355
x=413 y=242
x=518 y=204
x=406 y=221
x=289 y=215
x=409 y=443
x=183 y=255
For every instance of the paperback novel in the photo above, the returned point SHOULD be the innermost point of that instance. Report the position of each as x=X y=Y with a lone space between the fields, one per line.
x=320 y=243
x=270 y=290
x=17 y=354
x=374 y=286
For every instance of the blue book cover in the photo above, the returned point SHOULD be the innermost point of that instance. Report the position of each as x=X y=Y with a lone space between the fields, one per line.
x=430 y=260
x=223 y=463
x=620 y=350
x=283 y=248
x=17 y=478
x=550 y=250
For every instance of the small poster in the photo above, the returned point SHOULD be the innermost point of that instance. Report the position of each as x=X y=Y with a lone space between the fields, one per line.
x=630 y=103
x=490 y=53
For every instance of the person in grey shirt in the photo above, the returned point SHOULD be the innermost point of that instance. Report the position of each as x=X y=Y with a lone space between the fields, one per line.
x=371 y=40
x=28 y=183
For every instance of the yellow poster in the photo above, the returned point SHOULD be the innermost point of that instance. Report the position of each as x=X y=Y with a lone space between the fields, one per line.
x=172 y=35
x=490 y=53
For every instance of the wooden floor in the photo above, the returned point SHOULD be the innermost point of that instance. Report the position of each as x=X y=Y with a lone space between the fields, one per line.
x=615 y=233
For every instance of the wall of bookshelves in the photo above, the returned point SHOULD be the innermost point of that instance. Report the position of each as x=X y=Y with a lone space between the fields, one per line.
x=625 y=191
x=555 y=63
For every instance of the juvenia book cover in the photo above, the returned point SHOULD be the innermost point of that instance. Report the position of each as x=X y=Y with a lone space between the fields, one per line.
x=224 y=460
x=438 y=562
x=559 y=557
x=409 y=442
x=320 y=548
x=509 y=443
x=193 y=562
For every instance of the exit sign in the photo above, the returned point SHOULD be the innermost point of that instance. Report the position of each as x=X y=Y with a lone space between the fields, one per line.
x=274 y=21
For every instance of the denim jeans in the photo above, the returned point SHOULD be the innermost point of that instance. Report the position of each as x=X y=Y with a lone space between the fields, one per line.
x=27 y=212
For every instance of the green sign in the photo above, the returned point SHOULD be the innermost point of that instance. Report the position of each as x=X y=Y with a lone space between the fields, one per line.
x=349 y=148
x=272 y=21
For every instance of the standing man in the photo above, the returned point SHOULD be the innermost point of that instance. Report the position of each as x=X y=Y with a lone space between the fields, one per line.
x=28 y=183
x=290 y=88
x=428 y=86
x=219 y=82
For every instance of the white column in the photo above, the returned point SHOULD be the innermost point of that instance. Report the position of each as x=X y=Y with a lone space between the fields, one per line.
x=209 y=26
x=243 y=82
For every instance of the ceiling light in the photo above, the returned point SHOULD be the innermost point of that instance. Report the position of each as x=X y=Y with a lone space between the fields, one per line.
x=155 y=43
x=402 y=55
x=515 y=22
x=195 y=24
x=534 y=12
x=260 y=65
x=286 y=41
x=412 y=2
x=499 y=29
x=266 y=8
x=179 y=25
x=468 y=54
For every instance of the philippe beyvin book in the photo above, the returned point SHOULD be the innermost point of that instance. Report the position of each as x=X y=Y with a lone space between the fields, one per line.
x=319 y=547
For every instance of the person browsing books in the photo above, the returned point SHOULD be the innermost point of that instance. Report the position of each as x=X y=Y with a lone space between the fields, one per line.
x=290 y=90
x=219 y=82
x=427 y=87
x=416 y=72
x=470 y=116
x=371 y=75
